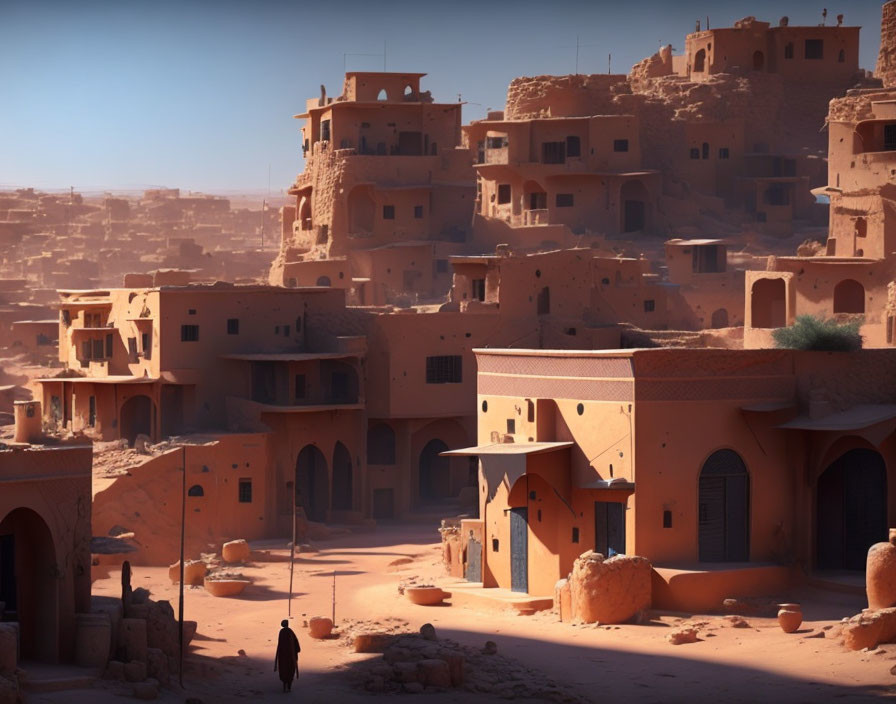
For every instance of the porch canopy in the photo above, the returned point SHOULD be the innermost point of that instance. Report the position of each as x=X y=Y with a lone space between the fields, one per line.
x=508 y=461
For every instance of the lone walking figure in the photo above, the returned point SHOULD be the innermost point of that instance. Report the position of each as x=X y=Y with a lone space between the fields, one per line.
x=286 y=661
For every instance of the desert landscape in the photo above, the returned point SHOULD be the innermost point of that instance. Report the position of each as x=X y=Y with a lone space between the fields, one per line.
x=589 y=398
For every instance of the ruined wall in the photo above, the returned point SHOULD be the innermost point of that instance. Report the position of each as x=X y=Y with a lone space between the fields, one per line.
x=576 y=95
x=886 y=58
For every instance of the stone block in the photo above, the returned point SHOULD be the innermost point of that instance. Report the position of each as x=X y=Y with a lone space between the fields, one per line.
x=609 y=590
x=869 y=629
x=132 y=639
x=235 y=551
x=320 y=627
x=406 y=672
x=135 y=671
x=157 y=665
x=434 y=673
x=372 y=642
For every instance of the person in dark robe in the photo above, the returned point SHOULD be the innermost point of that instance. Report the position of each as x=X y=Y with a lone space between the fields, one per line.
x=286 y=661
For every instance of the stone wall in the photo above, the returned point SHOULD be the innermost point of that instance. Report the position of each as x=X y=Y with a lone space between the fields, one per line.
x=886 y=59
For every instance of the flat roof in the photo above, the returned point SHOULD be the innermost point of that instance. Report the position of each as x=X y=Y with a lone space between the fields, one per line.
x=508 y=448
x=287 y=356
x=860 y=416
x=100 y=379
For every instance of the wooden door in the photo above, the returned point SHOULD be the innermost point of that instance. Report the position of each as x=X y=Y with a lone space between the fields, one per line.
x=609 y=527
x=519 y=550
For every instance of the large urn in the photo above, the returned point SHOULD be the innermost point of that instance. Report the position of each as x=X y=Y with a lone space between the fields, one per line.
x=880 y=574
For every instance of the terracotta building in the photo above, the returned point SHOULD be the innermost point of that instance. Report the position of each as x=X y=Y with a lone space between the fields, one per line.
x=385 y=187
x=724 y=468
x=45 y=503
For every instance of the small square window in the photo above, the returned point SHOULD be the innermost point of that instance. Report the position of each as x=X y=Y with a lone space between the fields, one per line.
x=418 y=212
x=276 y=329
x=723 y=153
x=388 y=212
x=695 y=153
x=441 y=266
x=495 y=545
x=573 y=146
x=192 y=311
x=511 y=426
x=620 y=145
x=286 y=331
x=575 y=535
x=503 y=193
x=245 y=491
x=649 y=305
x=564 y=200
x=233 y=326
x=814 y=48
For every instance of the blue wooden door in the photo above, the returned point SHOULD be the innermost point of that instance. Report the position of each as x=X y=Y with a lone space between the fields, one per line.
x=519 y=550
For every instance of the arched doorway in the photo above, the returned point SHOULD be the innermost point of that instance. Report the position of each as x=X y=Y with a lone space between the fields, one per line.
x=28 y=582
x=312 y=490
x=723 y=519
x=342 y=478
x=633 y=197
x=758 y=61
x=768 y=306
x=305 y=213
x=851 y=513
x=719 y=318
x=323 y=281
x=136 y=418
x=849 y=297
x=700 y=61
x=435 y=480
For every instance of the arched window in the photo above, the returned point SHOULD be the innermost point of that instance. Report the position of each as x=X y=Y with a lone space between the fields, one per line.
x=382 y=95
x=849 y=297
x=700 y=61
x=196 y=490
x=758 y=60
x=380 y=444
x=323 y=280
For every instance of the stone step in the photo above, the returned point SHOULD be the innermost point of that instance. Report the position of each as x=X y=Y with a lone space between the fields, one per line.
x=56 y=678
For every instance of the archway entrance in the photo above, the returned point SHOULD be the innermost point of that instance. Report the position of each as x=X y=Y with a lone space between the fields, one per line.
x=851 y=513
x=768 y=305
x=136 y=418
x=719 y=318
x=435 y=480
x=724 y=509
x=758 y=60
x=849 y=297
x=342 y=478
x=28 y=585
x=312 y=491
x=700 y=61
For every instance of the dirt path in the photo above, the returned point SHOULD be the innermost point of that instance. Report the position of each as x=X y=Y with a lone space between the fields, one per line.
x=232 y=657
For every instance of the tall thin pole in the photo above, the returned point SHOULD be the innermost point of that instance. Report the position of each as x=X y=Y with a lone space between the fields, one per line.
x=180 y=606
x=292 y=552
x=334 y=598
x=384 y=55
x=264 y=205
x=577 y=54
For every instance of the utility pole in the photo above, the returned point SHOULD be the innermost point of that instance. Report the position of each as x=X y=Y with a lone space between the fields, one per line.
x=577 y=54
x=292 y=552
x=183 y=518
x=609 y=64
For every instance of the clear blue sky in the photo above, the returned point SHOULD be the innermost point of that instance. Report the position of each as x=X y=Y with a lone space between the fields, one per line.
x=200 y=95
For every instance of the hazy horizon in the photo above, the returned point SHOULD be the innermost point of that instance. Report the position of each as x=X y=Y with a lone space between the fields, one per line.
x=109 y=96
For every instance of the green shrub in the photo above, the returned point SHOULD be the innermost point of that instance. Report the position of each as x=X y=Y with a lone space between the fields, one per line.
x=811 y=333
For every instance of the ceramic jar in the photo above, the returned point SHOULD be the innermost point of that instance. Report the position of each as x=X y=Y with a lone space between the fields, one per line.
x=880 y=574
x=790 y=616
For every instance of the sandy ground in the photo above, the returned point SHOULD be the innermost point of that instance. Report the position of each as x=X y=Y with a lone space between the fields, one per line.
x=232 y=657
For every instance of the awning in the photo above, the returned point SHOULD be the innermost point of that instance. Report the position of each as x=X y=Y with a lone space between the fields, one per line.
x=99 y=379
x=620 y=483
x=289 y=356
x=857 y=417
x=508 y=448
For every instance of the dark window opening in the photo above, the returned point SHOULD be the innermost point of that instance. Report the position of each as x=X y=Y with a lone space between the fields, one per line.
x=300 y=386
x=553 y=152
x=479 y=289
x=573 y=146
x=495 y=142
x=91 y=418
x=245 y=491
x=418 y=212
x=777 y=194
x=814 y=49
x=388 y=212
x=441 y=266
x=146 y=345
x=575 y=535
x=494 y=545
x=108 y=346
x=564 y=200
x=890 y=138
x=511 y=426
x=195 y=490
x=705 y=150
x=695 y=153
x=649 y=305
x=233 y=326
x=667 y=519
x=189 y=333
x=723 y=153
x=620 y=145
x=286 y=331
x=544 y=301
x=788 y=50
x=325 y=130
x=503 y=193
x=841 y=57
x=191 y=311
x=444 y=369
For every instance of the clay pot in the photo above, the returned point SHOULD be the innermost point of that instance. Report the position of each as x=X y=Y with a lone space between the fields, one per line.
x=194 y=572
x=790 y=616
x=225 y=587
x=880 y=574
x=320 y=627
x=425 y=596
x=235 y=551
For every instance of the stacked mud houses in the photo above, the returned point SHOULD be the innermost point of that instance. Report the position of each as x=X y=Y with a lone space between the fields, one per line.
x=450 y=322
